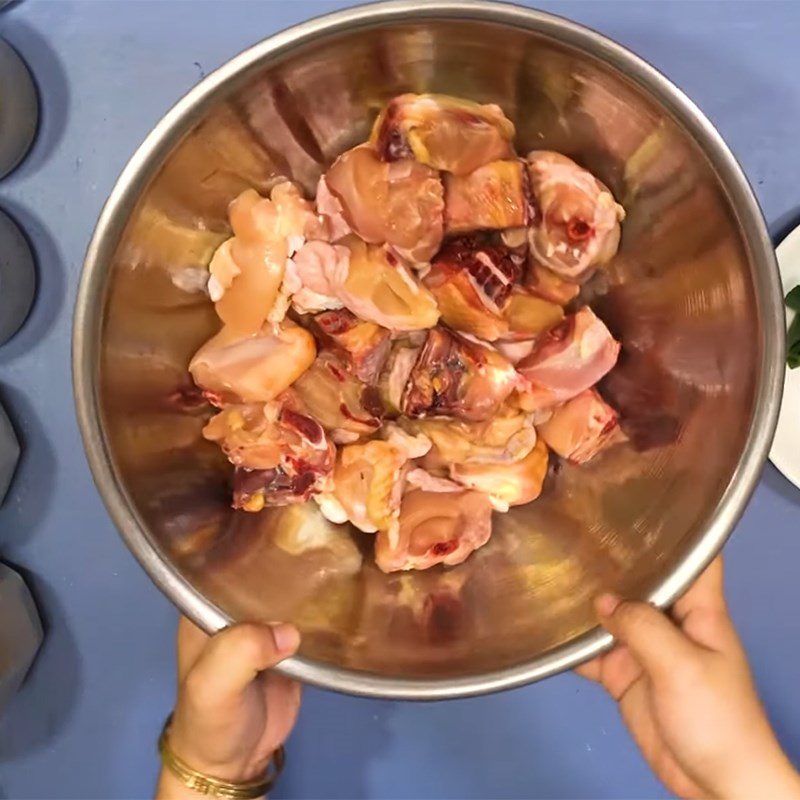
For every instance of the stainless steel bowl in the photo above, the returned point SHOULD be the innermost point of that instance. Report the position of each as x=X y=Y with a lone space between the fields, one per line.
x=694 y=296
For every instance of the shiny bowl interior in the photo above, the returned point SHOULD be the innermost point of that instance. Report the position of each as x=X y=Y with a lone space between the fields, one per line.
x=693 y=296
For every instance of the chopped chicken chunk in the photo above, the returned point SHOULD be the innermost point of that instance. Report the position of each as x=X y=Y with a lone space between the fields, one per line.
x=435 y=528
x=505 y=437
x=368 y=482
x=493 y=197
x=252 y=369
x=316 y=273
x=577 y=225
x=400 y=204
x=444 y=132
x=582 y=427
x=342 y=403
x=528 y=316
x=247 y=270
x=509 y=484
x=546 y=284
x=281 y=457
x=568 y=359
x=364 y=346
x=456 y=377
x=471 y=278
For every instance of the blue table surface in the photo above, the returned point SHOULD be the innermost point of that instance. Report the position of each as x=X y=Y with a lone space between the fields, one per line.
x=85 y=723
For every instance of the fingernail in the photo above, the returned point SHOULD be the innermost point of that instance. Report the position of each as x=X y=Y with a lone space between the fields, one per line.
x=287 y=638
x=606 y=604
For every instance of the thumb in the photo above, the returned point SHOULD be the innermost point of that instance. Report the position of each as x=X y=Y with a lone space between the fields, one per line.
x=649 y=635
x=234 y=657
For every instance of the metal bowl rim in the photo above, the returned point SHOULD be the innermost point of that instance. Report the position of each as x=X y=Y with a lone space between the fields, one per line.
x=182 y=117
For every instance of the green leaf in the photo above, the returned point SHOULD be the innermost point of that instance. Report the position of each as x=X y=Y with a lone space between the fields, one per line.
x=793 y=344
x=793 y=299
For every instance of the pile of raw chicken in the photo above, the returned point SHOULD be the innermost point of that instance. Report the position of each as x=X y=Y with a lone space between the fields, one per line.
x=407 y=348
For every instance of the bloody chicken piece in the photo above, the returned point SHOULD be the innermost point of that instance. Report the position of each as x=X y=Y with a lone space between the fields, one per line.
x=471 y=278
x=577 y=225
x=444 y=132
x=342 y=403
x=567 y=360
x=254 y=490
x=281 y=457
x=400 y=203
x=435 y=528
x=457 y=378
x=267 y=435
x=493 y=197
x=252 y=369
x=247 y=270
x=582 y=427
x=510 y=484
x=364 y=346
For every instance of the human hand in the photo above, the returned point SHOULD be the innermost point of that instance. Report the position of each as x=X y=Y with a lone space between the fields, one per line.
x=685 y=693
x=232 y=713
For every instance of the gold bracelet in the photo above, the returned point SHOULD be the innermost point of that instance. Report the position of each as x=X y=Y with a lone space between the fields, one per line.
x=207 y=784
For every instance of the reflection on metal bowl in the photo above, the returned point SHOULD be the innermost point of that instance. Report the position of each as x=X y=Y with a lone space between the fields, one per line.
x=693 y=296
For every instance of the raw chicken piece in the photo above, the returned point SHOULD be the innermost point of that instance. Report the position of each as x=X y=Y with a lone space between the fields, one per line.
x=248 y=434
x=392 y=382
x=549 y=286
x=314 y=276
x=400 y=204
x=380 y=289
x=252 y=369
x=247 y=270
x=419 y=478
x=456 y=377
x=516 y=350
x=413 y=445
x=471 y=278
x=363 y=346
x=582 y=427
x=435 y=528
x=510 y=484
x=577 y=227
x=528 y=316
x=368 y=482
x=366 y=279
x=281 y=457
x=443 y=132
x=494 y=196
x=567 y=360
x=254 y=490
x=508 y=436
x=267 y=435
x=342 y=403
x=330 y=209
